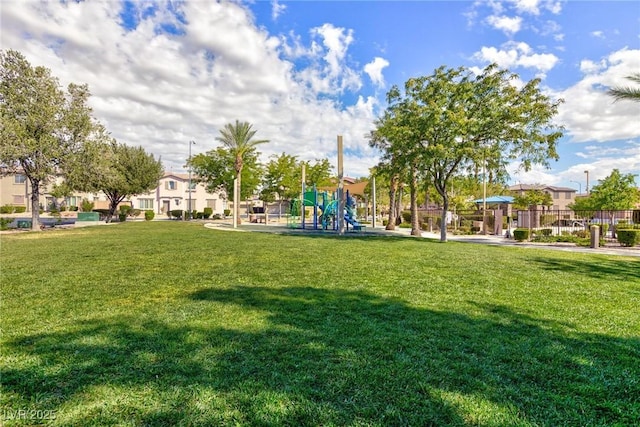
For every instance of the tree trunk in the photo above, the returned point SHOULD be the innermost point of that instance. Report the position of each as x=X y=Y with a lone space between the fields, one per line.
x=393 y=190
x=415 y=223
x=35 y=205
x=236 y=203
x=113 y=206
x=443 y=218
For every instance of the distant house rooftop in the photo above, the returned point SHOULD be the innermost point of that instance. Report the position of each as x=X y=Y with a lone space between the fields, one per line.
x=529 y=187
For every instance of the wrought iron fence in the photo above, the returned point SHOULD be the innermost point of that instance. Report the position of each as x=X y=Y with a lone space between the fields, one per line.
x=578 y=222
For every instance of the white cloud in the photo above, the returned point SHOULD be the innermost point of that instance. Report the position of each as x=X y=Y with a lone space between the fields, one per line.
x=160 y=90
x=517 y=54
x=597 y=34
x=527 y=6
x=277 y=9
x=374 y=70
x=589 y=113
x=504 y=23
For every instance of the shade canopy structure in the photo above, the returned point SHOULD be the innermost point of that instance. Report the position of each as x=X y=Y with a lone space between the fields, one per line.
x=496 y=200
x=355 y=188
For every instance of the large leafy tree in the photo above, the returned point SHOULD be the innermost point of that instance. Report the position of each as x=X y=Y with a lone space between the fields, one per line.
x=116 y=169
x=239 y=139
x=215 y=170
x=41 y=125
x=281 y=178
x=454 y=119
x=628 y=93
x=318 y=173
x=392 y=165
x=614 y=193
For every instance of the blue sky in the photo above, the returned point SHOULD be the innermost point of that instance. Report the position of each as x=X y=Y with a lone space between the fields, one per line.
x=163 y=73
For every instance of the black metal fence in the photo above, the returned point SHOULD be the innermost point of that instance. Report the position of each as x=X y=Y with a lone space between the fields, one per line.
x=499 y=221
x=570 y=222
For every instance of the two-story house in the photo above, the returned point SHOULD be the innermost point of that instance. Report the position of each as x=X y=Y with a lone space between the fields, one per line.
x=172 y=192
x=562 y=196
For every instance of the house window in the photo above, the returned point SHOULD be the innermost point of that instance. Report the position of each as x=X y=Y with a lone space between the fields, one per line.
x=192 y=185
x=567 y=195
x=171 y=185
x=211 y=203
x=145 y=204
x=18 y=200
x=19 y=179
x=73 y=201
x=556 y=195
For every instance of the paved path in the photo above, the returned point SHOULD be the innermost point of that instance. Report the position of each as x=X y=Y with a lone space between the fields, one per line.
x=476 y=238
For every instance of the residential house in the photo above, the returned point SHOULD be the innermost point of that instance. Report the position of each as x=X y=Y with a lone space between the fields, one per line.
x=172 y=193
x=562 y=196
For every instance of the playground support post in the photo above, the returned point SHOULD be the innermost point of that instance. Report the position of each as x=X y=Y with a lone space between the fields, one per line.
x=304 y=178
x=340 y=215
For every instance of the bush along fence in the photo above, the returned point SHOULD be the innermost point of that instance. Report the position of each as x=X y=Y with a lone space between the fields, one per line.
x=570 y=226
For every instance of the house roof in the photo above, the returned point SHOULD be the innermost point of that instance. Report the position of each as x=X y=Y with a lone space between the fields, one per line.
x=527 y=187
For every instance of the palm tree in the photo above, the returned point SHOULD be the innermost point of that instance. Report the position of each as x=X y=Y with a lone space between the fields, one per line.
x=238 y=139
x=627 y=93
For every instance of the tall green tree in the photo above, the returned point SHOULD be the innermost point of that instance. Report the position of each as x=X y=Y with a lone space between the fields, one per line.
x=239 y=139
x=454 y=119
x=628 y=93
x=215 y=170
x=120 y=171
x=281 y=178
x=41 y=125
x=318 y=173
x=615 y=193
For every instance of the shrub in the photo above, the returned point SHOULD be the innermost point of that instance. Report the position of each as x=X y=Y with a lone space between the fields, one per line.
x=176 y=213
x=521 y=234
x=227 y=212
x=4 y=223
x=73 y=209
x=217 y=216
x=406 y=217
x=125 y=209
x=385 y=222
x=545 y=232
x=86 y=205
x=581 y=234
x=122 y=217
x=604 y=229
x=207 y=212
x=149 y=215
x=629 y=237
x=6 y=209
x=20 y=209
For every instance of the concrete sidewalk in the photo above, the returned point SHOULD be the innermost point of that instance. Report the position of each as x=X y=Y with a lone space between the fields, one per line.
x=611 y=249
x=474 y=238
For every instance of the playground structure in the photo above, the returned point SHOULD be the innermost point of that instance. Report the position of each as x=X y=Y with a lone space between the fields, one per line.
x=323 y=214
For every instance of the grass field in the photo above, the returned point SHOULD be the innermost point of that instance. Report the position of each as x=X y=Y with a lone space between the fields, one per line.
x=169 y=323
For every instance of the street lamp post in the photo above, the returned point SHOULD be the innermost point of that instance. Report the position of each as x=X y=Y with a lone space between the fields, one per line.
x=579 y=186
x=587 y=189
x=189 y=189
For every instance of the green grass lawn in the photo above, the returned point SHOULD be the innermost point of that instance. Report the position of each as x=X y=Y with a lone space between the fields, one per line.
x=169 y=323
